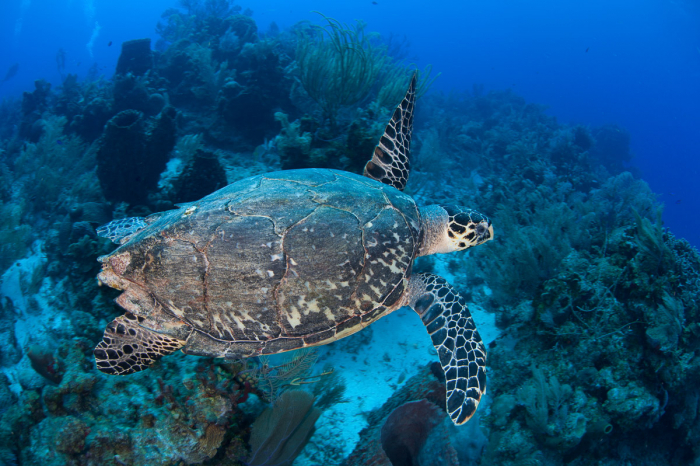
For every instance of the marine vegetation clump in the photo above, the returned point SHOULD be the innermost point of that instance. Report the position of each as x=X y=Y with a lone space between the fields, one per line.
x=272 y=380
x=546 y=404
x=195 y=76
x=303 y=143
x=653 y=252
x=393 y=80
x=42 y=168
x=260 y=90
x=620 y=310
x=10 y=112
x=538 y=184
x=88 y=104
x=34 y=104
x=294 y=147
x=328 y=387
x=200 y=20
x=15 y=236
x=281 y=432
x=338 y=65
x=341 y=67
x=215 y=8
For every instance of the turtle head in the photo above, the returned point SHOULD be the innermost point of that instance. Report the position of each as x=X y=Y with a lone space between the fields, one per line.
x=467 y=227
x=452 y=228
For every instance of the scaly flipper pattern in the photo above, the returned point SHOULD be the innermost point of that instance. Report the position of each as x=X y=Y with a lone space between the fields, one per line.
x=120 y=230
x=126 y=347
x=462 y=354
x=390 y=163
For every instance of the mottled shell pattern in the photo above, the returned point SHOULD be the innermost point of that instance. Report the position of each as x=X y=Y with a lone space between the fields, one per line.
x=293 y=258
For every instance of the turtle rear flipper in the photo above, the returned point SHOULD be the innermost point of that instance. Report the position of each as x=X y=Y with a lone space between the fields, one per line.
x=126 y=347
x=390 y=163
x=460 y=349
x=119 y=231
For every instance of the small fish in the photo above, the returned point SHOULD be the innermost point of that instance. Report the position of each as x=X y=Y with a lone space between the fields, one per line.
x=678 y=201
x=587 y=49
x=78 y=64
x=110 y=44
x=375 y=3
x=59 y=142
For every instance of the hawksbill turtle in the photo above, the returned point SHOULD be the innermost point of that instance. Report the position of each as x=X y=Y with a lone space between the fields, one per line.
x=292 y=259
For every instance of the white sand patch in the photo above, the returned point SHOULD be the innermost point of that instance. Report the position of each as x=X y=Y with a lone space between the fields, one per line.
x=35 y=320
x=399 y=345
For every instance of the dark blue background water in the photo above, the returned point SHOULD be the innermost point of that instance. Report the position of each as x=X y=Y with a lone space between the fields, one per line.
x=633 y=63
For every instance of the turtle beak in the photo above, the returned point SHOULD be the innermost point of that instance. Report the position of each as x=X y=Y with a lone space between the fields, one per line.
x=485 y=231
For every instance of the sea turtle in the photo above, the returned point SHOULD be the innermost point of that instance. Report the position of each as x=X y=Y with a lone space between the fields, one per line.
x=292 y=259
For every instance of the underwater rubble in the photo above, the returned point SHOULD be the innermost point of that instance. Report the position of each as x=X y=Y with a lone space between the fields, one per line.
x=595 y=323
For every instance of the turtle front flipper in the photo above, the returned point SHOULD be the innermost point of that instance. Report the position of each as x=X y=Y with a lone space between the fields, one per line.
x=390 y=163
x=119 y=231
x=462 y=354
x=126 y=347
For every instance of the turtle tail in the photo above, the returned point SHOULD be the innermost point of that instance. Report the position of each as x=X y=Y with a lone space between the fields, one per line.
x=126 y=347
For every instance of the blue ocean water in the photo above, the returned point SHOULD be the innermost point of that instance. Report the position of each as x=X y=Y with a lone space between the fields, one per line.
x=633 y=64
x=570 y=125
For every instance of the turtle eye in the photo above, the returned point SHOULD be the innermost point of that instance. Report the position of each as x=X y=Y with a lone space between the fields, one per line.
x=481 y=230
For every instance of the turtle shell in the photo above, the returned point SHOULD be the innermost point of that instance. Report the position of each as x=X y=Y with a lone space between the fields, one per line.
x=310 y=255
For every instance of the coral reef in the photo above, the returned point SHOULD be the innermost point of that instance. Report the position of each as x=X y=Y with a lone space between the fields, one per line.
x=202 y=175
x=572 y=279
x=262 y=88
x=294 y=148
x=15 y=237
x=136 y=57
x=33 y=105
x=596 y=301
x=132 y=154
